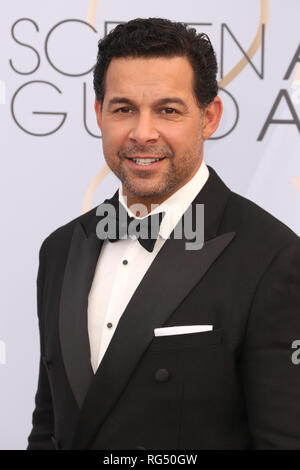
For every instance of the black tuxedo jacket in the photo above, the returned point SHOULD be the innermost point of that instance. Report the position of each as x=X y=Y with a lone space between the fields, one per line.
x=234 y=387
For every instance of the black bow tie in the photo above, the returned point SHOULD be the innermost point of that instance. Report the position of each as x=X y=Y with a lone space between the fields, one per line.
x=145 y=230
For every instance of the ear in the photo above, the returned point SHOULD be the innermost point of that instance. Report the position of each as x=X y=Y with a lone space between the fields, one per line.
x=212 y=117
x=98 y=110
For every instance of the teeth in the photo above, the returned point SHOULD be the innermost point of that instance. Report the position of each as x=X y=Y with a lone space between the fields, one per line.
x=145 y=161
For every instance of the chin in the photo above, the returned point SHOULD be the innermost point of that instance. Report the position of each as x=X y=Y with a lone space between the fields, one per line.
x=143 y=190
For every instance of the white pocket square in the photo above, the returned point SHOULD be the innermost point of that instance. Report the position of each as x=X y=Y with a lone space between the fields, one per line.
x=181 y=330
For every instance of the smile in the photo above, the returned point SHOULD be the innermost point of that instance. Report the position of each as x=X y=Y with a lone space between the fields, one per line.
x=145 y=161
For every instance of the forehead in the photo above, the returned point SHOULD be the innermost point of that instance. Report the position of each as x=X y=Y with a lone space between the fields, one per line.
x=149 y=77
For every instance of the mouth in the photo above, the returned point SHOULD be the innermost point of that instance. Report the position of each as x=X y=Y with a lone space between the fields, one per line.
x=144 y=162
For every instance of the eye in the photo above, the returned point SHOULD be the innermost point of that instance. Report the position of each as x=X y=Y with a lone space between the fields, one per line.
x=170 y=111
x=123 y=110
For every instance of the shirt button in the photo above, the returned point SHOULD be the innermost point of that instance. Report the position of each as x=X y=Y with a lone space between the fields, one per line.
x=125 y=261
x=162 y=375
x=109 y=325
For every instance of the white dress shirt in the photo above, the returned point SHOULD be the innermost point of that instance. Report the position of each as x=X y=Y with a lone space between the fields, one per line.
x=122 y=265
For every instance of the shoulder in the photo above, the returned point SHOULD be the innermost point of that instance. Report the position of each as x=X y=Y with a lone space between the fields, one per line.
x=263 y=246
x=256 y=226
x=62 y=236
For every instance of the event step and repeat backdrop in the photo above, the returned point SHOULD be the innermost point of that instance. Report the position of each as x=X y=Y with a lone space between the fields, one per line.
x=52 y=165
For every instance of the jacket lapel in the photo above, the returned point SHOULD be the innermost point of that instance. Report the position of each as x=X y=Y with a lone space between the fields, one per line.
x=146 y=311
x=82 y=260
x=73 y=328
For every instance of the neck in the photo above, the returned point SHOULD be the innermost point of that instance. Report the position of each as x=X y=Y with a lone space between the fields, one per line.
x=146 y=203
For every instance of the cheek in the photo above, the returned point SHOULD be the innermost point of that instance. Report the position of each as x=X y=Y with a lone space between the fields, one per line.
x=190 y=138
x=180 y=134
x=187 y=145
x=175 y=137
x=112 y=139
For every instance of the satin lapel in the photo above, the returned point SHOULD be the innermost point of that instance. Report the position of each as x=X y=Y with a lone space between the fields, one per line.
x=155 y=299
x=79 y=272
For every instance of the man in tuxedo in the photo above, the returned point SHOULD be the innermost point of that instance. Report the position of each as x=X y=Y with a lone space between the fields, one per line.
x=154 y=345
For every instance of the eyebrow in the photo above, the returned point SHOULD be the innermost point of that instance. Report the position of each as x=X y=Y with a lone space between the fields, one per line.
x=162 y=101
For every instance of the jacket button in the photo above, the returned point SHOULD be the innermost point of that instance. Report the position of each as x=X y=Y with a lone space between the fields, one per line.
x=162 y=375
x=140 y=448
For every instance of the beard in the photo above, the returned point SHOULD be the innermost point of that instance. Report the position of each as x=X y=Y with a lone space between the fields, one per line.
x=175 y=170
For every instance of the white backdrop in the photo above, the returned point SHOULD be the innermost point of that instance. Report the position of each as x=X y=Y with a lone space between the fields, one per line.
x=51 y=159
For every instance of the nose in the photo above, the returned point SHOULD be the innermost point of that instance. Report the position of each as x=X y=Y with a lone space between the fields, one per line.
x=144 y=129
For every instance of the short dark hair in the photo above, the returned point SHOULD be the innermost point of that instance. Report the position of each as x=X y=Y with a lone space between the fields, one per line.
x=159 y=37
